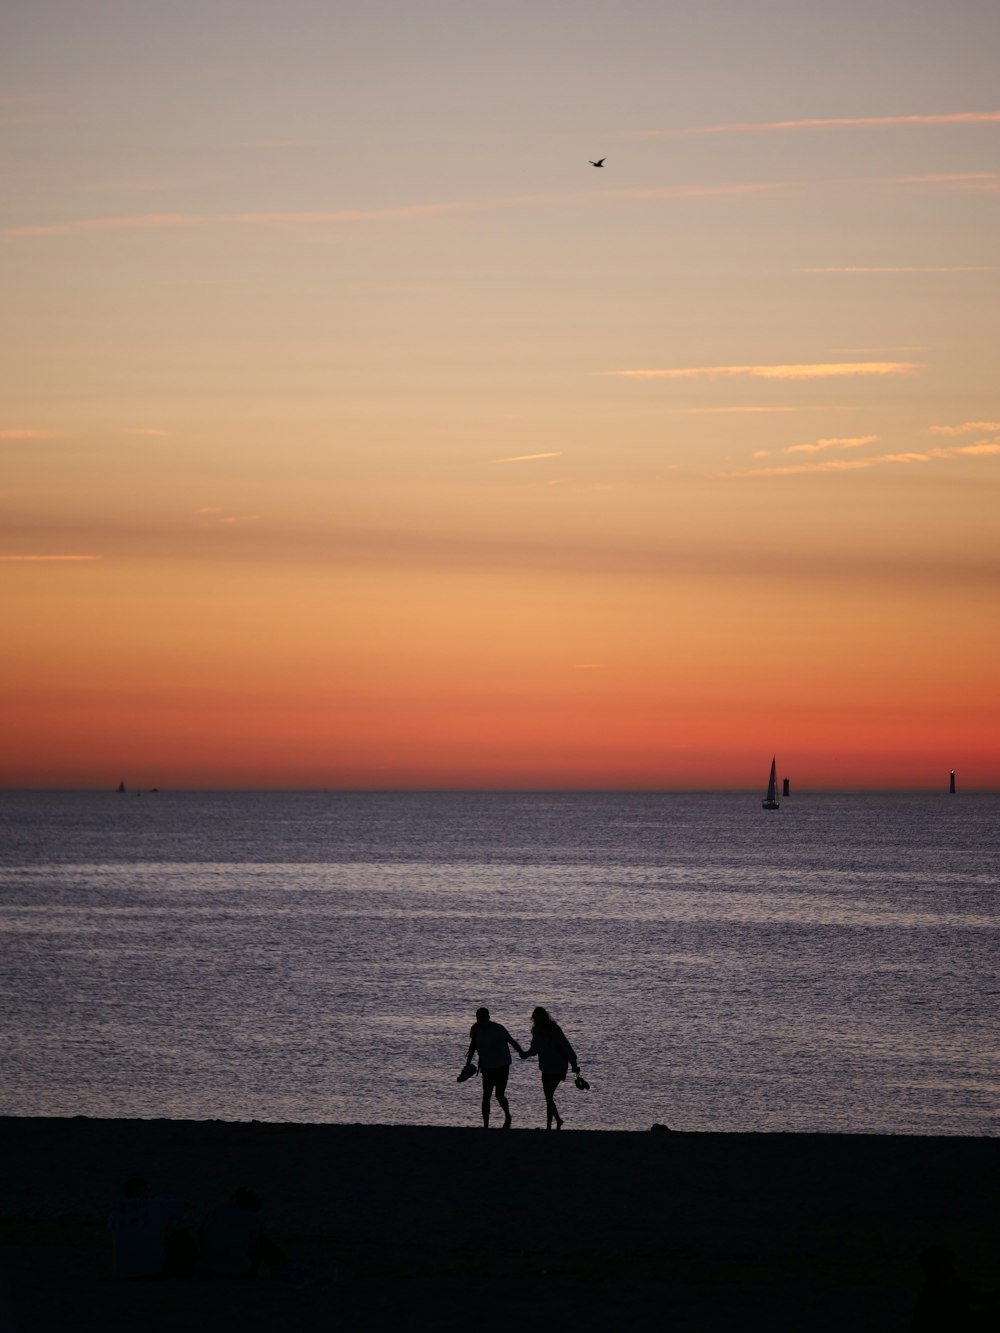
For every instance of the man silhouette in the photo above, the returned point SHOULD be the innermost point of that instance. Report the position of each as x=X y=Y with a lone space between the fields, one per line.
x=490 y=1041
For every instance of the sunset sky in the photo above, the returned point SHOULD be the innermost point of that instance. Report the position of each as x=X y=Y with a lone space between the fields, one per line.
x=356 y=431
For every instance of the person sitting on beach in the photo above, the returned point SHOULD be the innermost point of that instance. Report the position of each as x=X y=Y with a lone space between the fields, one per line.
x=490 y=1041
x=555 y=1057
x=234 y=1242
x=143 y=1226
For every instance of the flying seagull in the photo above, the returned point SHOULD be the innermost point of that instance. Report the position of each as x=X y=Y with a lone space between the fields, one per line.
x=598 y=163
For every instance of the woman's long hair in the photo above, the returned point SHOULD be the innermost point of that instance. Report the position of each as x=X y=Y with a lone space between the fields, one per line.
x=542 y=1020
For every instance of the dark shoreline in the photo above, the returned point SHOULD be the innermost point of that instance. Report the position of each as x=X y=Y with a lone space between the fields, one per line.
x=445 y=1228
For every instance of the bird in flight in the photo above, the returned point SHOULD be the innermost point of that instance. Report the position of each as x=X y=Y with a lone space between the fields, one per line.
x=598 y=163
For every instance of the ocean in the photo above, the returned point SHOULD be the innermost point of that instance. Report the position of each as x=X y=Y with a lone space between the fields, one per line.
x=319 y=956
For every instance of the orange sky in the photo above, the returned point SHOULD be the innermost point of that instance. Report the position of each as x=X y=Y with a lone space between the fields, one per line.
x=356 y=432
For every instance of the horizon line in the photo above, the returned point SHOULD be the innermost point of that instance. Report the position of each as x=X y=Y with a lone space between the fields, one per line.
x=941 y=788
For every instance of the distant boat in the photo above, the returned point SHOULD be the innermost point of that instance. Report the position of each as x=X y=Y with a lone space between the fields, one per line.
x=121 y=785
x=770 y=801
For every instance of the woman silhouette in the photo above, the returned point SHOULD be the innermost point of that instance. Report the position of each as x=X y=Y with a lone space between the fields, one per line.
x=555 y=1056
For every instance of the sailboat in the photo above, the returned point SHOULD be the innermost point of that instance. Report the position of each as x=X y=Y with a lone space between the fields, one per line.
x=770 y=801
x=121 y=785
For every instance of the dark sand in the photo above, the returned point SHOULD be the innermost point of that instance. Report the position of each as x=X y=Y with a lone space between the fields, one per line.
x=456 y=1228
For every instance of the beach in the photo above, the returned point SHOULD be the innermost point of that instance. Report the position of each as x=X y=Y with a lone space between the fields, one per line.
x=438 y=1228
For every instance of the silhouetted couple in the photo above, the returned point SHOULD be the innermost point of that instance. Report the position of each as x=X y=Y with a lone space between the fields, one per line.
x=491 y=1042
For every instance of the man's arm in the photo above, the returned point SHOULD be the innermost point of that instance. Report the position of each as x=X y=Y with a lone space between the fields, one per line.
x=472 y=1046
x=516 y=1044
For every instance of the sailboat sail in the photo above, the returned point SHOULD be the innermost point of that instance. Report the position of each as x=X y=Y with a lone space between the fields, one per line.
x=770 y=802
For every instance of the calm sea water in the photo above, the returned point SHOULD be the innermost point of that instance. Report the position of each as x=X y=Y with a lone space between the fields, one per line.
x=319 y=956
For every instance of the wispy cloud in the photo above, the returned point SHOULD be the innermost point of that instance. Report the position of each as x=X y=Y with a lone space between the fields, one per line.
x=690 y=191
x=825 y=123
x=966 y=428
x=30 y=559
x=218 y=514
x=346 y=216
x=314 y=219
x=793 y=469
x=907 y=268
x=985 y=448
x=982 y=449
x=137 y=222
x=279 y=143
x=528 y=458
x=837 y=442
x=822 y=370
x=970 y=180
x=18 y=434
x=727 y=411
x=165 y=221
x=294 y=543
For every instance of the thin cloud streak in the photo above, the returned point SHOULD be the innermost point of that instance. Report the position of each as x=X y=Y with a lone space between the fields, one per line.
x=816 y=123
x=966 y=428
x=797 y=469
x=841 y=442
x=528 y=458
x=831 y=370
x=902 y=268
x=137 y=222
x=32 y=559
x=160 y=221
x=988 y=180
x=346 y=216
x=984 y=448
x=296 y=544
x=733 y=411
x=343 y=217
x=30 y=435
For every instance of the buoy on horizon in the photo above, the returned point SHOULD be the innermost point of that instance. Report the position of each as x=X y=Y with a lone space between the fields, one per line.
x=951 y=785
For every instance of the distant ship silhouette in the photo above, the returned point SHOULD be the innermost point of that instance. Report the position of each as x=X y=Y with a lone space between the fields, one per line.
x=121 y=785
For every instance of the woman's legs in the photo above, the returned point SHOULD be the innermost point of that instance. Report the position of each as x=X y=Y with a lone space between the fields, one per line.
x=549 y=1084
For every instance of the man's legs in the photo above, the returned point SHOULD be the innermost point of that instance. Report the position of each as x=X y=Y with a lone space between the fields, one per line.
x=488 y=1079
x=501 y=1076
x=495 y=1081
